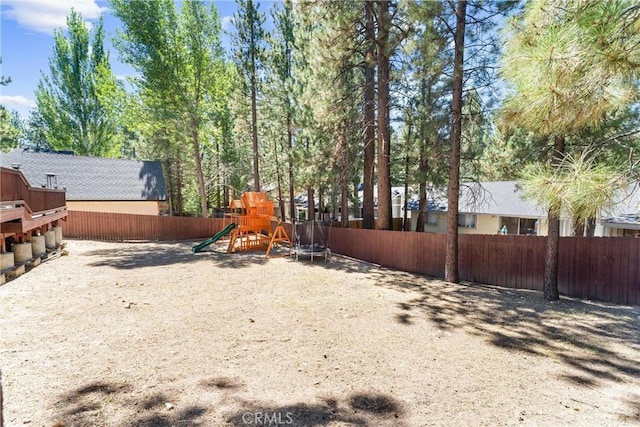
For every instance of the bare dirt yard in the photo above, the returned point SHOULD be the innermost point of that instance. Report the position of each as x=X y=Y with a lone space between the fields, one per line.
x=150 y=334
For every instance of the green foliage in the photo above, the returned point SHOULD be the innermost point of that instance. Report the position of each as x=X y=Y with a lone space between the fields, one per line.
x=77 y=103
x=504 y=155
x=249 y=40
x=579 y=185
x=424 y=89
x=4 y=80
x=279 y=106
x=10 y=129
x=183 y=87
x=249 y=54
x=333 y=53
x=10 y=125
x=570 y=63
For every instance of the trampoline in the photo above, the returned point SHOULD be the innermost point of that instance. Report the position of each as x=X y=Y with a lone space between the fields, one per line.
x=311 y=240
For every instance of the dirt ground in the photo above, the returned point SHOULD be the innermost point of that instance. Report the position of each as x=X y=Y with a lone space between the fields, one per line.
x=150 y=334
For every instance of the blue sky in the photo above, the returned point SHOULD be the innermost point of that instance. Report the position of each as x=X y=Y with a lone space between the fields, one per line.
x=27 y=41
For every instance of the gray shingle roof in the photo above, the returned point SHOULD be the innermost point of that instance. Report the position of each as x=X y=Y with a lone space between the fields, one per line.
x=628 y=204
x=91 y=178
x=626 y=213
x=505 y=199
x=497 y=198
x=494 y=198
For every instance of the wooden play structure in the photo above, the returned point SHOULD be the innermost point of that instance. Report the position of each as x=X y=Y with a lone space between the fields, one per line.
x=252 y=217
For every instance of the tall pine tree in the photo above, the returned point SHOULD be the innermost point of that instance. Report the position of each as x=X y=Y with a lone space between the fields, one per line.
x=76 y=102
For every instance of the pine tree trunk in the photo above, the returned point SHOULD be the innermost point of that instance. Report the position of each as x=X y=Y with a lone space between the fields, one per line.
x=218 y=186
x=199 y=173
x=344 y=203
x=254 y=136
x=368 y=215
x=225 y=192
x=311 y=204
x=423 y=166
x=405 y=225
x=577 y=227
x=321 y=203
x=590 y=227
x=292 y=203
x=451 y=273
x=169 y=185
x=179 y=185
x=422 y=207
x=384 y=131
x=550 y=284
x=279 y=181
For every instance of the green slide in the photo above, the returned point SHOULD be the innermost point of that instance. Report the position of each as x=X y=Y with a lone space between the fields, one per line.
x=200 y=246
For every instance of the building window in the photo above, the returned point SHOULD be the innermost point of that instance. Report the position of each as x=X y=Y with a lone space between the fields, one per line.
x=521 y=226
x=528 y=226
x=512 y=224
x=432 y=218
x=467 y=220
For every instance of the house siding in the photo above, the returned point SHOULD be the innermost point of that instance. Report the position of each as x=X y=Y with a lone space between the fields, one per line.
x=485 y=224
x=143 y=207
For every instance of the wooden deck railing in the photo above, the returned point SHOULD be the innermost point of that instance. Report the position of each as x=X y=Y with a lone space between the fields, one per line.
x=14 y=187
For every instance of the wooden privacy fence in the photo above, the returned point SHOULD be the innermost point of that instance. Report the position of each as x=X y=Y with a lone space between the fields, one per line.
x=115 y=226
x=396 y=223
x=597 y=268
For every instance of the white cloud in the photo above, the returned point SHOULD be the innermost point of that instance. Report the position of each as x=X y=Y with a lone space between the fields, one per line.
x=46 y=15
x=226 y=22
x=13 y=101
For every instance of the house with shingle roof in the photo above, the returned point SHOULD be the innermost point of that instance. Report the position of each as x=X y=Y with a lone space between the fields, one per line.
x=624 y=218
x=94 y=184
x=487 y=207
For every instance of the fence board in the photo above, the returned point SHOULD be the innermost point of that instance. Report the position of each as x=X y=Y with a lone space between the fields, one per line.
x=595 y=287
x=601 y=273
x=465 y=259
x=633 y=293
x=618 y=287
x=564 y=254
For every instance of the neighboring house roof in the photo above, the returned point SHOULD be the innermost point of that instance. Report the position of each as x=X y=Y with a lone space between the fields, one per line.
x=493 y=198
x=91 y=178
x=502 y=198
x=432 y=205
x=625 y=213
x=629 y=221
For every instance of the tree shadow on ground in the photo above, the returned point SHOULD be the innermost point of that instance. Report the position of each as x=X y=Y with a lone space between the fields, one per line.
x=94 y=403
x=140 y=255
x=343 y=263
x=109 y=403
x=632 y=414
x=222 y=383
x=580 y=334
x=359 y=409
